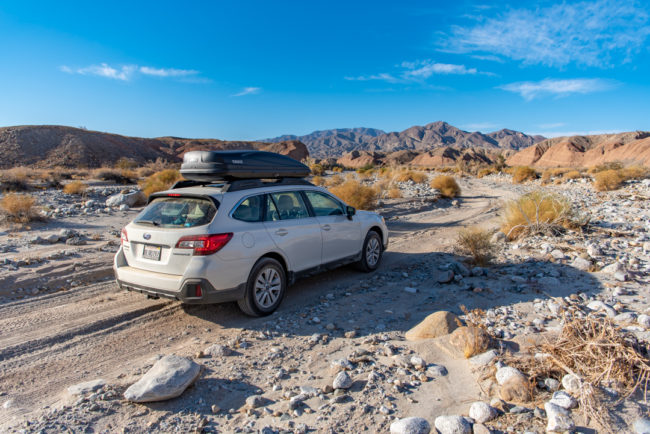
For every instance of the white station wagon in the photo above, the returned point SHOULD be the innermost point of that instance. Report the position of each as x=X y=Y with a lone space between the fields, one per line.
x=240 y=239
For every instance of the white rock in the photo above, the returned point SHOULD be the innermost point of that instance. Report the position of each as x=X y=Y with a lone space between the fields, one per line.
x=571 y=383
x=613 y=268
x=124 y=207
x=506 y=373
x=8 y=404
x=559 y=419
x=410 y=290
x=644 y=320
x=86 y=387
x=129 y=199
x=217 y=350
x=166 y=379
x=418 y=362
x=557 y=254
x=581 y=264
x=453 y=425
x=342 y=381
x=551 y=384
x=482 y=412
x=410 y=425
x=483 y=359
x=642 y=426
x=342 y=364
x=564 y=400
x=254 y=401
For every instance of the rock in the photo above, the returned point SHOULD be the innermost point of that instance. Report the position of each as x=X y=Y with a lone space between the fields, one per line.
x=644 y=320
x=621 y=276
x=549 y=281
x=483 y=359
x=75 y=241
x=341 y=365
x=437 y=371
x=557 y=254
x=625 y=317
x=410 y=290
x=479 y=428
x=642 y=426
x=564 y=400
x=67 y=233
x=559 y=419
x=166 y=379
x=52 y=239
x=515 y=389
x=296 y=401
x=8 y=404
x=594 y=251
x=459 y=268
x=581 y=264
x=124 y=207
x=551 y=384
x=342 y=381
x=445 y=276
x=571 y=383
x=418 y=362
x=410 y=425
x=470 y=340
x=482 y=412
x=506 y=373
x=498 y=237
x=453 y=425
x=217 y=350
x=614 y=268
x=130 y=199
x=254 y=401
x=87 y=387
x=437 y=324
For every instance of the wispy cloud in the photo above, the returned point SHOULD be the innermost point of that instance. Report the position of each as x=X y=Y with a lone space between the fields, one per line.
x=590 y=33
x=530 y=90
x=569 y=133
x=480 y=126
x=249 y=91
x=418 y=71
x=127 y=72
x=551 y=125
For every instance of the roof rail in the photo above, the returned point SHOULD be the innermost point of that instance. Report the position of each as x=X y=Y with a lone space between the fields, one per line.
x=241 y=184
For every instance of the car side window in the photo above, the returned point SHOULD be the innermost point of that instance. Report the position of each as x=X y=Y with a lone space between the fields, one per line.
x=250 y=210
x=290 y=205
x=272 y=214
x=323 y=204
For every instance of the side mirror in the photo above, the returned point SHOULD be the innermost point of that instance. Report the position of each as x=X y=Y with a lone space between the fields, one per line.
x=350 y=211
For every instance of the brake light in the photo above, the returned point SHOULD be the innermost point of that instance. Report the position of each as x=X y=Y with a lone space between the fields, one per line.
x=203 y=245
x=173 y=195
x=124 y=237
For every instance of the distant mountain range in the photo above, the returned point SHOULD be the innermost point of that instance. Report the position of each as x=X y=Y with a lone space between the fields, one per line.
x=334 y=143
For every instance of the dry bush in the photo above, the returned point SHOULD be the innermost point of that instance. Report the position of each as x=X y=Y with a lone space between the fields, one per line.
x=316 y=169
x=75 y=187
x=612 y=165
x=335 y=180
x=394 y=193
x=160 y=181
x=337 y=169
x=318 y=180
x=608 y=180
x=356 y=194
x=410 y=175
x=537 y=212
x=635 y=172
x=572 y=174
x=447 y=169
x=15 y=179
x=117 y=176
x=546 y=177
x=446 y=185
x=145 y=171
x=523 y=173
x=600 y=354
x=125 y=164
x=486 y=171
x=19 y=208
x=476 y=243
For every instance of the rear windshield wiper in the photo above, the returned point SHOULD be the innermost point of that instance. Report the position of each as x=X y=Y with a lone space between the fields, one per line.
x=148 y=222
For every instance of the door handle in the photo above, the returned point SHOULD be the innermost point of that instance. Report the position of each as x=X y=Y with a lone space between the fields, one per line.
x=326 y=227
x=281 y=232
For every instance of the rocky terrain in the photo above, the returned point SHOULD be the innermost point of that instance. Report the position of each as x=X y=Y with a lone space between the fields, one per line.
x=346 y=352
x=60 y=146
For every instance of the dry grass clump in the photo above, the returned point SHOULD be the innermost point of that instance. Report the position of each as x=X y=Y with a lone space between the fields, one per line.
x=410 y=175
x=126 y=163
x=394 y=193
x=117 y=176
x=612 y=165
x=598 y=353
x=75 y=187
x=486 y=171
x=523 y=174
x=608 y=180
x=476 y=243
x=335 y=180
x=316 y=169
x=446 y=185
x=537 y=212
x=572 y=174
x=356 y=194
x=635 y=172
x=337 y=169
x=15 y=179
x=160 y=181
x=318 y=180
x=19 y=208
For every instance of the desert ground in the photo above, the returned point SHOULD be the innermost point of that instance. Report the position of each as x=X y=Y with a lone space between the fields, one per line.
x=64 y=321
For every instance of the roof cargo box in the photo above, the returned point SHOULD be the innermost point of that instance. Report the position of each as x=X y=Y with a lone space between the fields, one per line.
x=225 y=165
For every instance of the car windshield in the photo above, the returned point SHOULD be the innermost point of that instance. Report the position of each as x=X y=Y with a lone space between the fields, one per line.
x=177 y=212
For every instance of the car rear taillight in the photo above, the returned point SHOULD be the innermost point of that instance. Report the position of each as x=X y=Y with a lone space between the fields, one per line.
x=125 y=238
x=204 y=244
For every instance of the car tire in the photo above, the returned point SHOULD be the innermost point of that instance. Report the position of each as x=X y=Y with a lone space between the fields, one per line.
x=265 y=289
x=371 y=252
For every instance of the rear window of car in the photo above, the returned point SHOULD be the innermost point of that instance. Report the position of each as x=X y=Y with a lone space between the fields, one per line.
x=177 y=212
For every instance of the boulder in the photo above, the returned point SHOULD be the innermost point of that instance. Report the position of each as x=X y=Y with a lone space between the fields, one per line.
x=453 y=425
x=410 y=425
x=167 y=378
x=437 y=324
x=470 y=341
x=130 y=199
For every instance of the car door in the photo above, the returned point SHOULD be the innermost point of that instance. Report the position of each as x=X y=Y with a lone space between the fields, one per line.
x=341 y=235
x=296 y=233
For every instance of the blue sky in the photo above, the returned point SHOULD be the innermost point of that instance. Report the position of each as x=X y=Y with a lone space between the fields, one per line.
x=256 y=69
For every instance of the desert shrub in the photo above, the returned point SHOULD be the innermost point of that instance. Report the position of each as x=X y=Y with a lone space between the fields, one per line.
x=125 y=163
x=18 y=208
x=394 y=193
x=447 y=169
x=316 y=169
x=635 y=172
x=144 y=172
x=446 y=185
x=476 y=243
x=523 y=174
x=366 y=168
x=486 y=171
x=410 y=175
x=572 y=174
x=546 y=176
x=356 y=194
x=117 y=176
x=612 y=165
x=537 y=212
x=318 y=180
x=75 y=187
x=160 y=181
x=335 y=180
x=608 y=180
x=337 y=169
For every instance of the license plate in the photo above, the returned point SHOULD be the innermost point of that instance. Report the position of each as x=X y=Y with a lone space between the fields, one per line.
x=152 y=252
